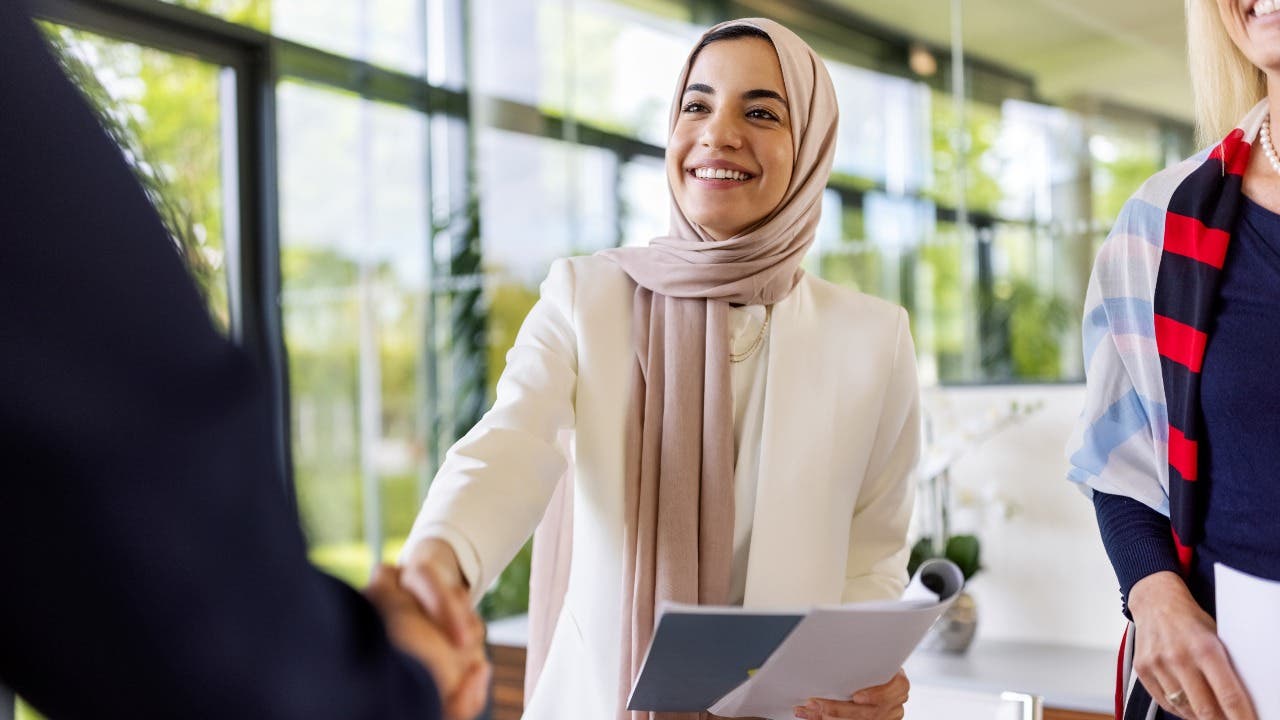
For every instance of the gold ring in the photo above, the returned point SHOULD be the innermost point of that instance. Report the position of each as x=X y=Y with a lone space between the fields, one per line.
x=1177 y=697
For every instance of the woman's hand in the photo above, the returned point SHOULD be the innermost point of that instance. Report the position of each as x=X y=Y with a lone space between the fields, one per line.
x=1178 y=656
x=882 y=702
x=461 y=674
x=432 y=575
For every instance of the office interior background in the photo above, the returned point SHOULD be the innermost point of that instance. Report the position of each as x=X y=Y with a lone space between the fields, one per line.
x=369 y=192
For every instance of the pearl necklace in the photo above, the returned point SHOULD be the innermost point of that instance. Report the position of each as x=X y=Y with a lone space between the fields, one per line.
x=1267 y=147
x=755 y=344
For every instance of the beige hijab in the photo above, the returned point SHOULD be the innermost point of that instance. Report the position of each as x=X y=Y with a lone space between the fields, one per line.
x=679 y=495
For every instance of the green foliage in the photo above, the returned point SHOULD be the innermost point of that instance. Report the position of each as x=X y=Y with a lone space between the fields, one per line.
x=857 y=267
x=24 y=711
x=1025 y=330
x=1116 y=179
x=330 y=502
x=857 y=262
x=168 y=130
x=254 y=13
x=509 y=303
x=350 y=562
x=322 y=317
x=939 y=262
x=982 y=190
x=921 y=551
x=510 y=594
x=400 y=504
x=963 y=550
x=851 y=181
x=317 y=268
x=1037 y=323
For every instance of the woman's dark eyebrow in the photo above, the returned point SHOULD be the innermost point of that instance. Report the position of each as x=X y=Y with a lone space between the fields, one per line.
x=748 y=95
x=758 y=94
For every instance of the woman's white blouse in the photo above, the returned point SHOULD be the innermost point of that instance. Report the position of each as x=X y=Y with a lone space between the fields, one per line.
x=748 y=378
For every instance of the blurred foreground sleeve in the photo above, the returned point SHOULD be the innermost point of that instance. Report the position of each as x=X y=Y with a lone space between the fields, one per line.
x=152 y=565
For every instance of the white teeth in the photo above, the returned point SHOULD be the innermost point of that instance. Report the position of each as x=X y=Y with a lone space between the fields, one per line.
x=719 y=174
x=1265 y=7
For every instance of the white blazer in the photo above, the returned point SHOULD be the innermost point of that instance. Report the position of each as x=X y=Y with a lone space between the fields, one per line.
x=840 y=437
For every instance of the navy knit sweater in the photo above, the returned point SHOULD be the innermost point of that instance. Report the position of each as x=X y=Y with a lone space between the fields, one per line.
x=1240 y=454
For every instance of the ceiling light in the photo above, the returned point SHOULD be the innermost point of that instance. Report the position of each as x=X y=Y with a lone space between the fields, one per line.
x=921 y=61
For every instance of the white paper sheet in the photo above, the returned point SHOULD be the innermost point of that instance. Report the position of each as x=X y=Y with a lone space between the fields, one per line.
x=838 y=650
x=1249 y=627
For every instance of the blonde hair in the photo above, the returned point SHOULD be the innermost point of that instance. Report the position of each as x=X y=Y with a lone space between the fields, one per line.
x=1224 y=83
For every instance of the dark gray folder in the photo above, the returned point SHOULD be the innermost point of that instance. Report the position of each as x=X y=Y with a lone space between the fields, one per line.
x=697 y=657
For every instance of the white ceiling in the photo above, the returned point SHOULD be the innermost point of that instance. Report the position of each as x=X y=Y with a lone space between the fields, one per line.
x=1128 y=51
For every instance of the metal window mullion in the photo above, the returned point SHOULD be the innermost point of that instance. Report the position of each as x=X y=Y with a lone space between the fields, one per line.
x=157 y=25
x=426 y=392
x=468 y=363
x=262 y=322
x=366 y=80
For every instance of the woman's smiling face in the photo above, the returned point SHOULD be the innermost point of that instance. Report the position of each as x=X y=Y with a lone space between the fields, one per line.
x=730 y=156
x=1254 y=26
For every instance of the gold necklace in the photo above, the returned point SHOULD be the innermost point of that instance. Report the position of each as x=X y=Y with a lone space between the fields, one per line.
x=755 y=344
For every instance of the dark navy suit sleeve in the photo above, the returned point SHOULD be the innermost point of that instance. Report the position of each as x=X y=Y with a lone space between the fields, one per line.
x=150 y=564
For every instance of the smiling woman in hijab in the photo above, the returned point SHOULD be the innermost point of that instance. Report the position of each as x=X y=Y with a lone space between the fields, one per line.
x=741 y=432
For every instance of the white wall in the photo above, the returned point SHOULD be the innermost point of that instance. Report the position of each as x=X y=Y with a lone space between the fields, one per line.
x=1047 y=577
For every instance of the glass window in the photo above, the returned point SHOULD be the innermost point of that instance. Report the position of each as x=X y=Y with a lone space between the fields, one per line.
x=447 y=42
x=645 y=203
x=166 y=112
x=943 y=313
x=542 y=199
x=981 y=165
x=384 y=32
x=1123 y=155
x=837 y=249
x=1042 y=162
x=254 y=13
x=1030 y=326
x=354 y=264
x=1032 y=276
x=580 y=60
x=884 y=130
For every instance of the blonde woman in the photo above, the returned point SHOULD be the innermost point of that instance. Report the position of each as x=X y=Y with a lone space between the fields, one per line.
x=742 y=431
x=1176 y=443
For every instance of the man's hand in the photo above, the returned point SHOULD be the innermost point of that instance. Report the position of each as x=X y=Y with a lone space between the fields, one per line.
x=461 y=672
x=1178 y=656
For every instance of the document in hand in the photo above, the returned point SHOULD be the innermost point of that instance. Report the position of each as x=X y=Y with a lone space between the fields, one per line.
x=740 y=662
x=1249 y=627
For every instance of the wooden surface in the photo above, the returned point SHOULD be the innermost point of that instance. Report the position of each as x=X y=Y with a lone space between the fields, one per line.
x=1051 y=714
x=508 y=682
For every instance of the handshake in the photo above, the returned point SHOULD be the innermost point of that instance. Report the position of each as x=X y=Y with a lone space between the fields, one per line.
x=427 y=611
